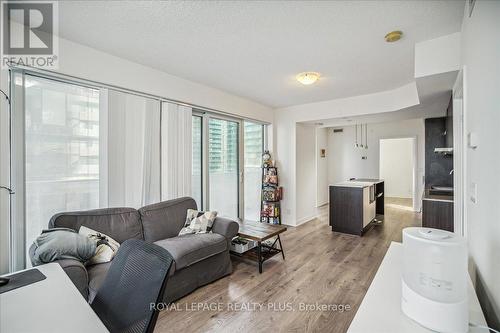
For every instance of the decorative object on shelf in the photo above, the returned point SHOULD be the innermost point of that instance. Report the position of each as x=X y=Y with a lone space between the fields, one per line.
x=266 y=159
x=270 y=208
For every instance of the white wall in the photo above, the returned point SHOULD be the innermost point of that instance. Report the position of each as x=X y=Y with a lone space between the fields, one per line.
x=284 y=128
x=306 y=173
x=88 y=63
x=384 y=101
x=481 y=59
x=439 y=55
x=321 y=167
x=396 y=167
x=345 y=160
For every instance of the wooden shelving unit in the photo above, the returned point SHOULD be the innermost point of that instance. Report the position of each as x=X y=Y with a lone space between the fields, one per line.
x=271 y=193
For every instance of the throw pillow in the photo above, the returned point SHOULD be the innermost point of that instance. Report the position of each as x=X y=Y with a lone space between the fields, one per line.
x=198 y=224
x=106 y=247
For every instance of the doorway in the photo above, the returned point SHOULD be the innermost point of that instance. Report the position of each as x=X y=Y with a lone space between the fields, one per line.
x=397 y=168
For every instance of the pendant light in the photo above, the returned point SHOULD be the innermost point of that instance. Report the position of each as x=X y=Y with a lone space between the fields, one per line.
x=361 y=135
x=357 y=135
x=366 y=136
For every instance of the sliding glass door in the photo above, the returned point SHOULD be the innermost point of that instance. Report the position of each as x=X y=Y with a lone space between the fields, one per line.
x=253 y=145
x=226 y=167
x=61 y=151
x=223 y=166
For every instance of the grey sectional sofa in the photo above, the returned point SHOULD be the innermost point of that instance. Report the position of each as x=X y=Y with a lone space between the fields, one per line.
x=198 y=259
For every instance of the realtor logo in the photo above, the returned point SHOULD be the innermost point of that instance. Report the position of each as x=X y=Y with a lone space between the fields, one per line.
x=29 y=33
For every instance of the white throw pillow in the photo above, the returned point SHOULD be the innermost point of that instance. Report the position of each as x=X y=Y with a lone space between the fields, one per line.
x=106 y=246
x=198 y=224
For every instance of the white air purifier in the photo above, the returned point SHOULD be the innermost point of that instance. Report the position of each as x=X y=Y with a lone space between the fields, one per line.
x=434 y=280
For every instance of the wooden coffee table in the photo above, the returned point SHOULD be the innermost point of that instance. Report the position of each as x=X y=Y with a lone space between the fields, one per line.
x=259 y=232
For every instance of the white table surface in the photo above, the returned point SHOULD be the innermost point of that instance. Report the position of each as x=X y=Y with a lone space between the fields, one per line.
x=51 y=305
x=380 y=311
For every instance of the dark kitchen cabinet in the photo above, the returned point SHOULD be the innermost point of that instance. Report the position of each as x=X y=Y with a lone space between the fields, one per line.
x=437 y=214
x=354 y=208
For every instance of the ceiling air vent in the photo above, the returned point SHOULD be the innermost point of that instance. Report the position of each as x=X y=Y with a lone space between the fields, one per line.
x=338 y=130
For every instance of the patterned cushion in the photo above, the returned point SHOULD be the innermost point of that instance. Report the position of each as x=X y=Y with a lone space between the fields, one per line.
x=198 y=223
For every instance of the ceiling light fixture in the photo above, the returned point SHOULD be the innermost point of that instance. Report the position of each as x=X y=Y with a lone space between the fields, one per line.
x=393 y=36
x=307 y=78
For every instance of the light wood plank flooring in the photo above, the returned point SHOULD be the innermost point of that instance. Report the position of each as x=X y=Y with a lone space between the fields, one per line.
x=321 y=267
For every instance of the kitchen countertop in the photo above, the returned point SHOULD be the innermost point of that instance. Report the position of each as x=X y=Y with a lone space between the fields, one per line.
x=436 y=197
x=359 y=183
x=370 y=180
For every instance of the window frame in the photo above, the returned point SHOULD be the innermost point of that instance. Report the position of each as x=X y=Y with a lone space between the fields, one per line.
x=18 y=256
x=196 y=113
x=16 y=166
x=206 y=116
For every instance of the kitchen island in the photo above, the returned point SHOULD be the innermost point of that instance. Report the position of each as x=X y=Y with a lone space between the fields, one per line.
x=356 y=204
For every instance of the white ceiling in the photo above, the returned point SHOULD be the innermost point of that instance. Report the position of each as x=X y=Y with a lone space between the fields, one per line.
x=255 y=49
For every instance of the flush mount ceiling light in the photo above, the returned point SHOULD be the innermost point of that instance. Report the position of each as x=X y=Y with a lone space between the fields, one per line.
x=307 y=78
x=393 y=36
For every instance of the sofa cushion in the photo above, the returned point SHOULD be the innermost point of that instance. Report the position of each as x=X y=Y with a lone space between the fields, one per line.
x=190 y=249
x=165 y=219
x=119 y=223
x=96 y=274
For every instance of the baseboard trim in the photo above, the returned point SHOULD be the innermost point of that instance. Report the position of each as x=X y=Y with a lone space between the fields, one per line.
x=306 y=219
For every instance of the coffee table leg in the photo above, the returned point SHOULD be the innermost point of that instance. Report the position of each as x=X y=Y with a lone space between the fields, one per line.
x=281 y=247
x=259 y=252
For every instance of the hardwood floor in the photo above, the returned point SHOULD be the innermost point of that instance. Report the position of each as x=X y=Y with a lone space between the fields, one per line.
x=321 y=267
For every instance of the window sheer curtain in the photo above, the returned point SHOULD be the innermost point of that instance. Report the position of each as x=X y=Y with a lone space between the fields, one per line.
x=176 y=151
x=57 y=151
x=133 y=150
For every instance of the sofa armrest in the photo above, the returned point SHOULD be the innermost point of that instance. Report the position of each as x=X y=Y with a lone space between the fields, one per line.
x=225 y=227
x=77 y=273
